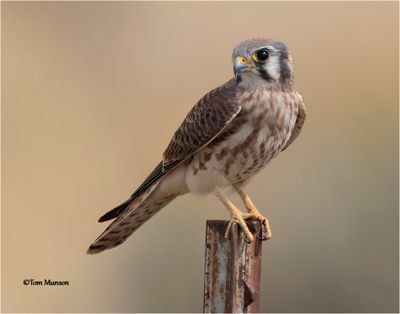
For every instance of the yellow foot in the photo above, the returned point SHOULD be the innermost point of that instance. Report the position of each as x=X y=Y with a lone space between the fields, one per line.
x=266 y=234
x=242 y=223
x=236 y=214
x=253 y=213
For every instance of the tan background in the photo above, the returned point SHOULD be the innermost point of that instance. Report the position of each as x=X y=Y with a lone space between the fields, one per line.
x=92 y=93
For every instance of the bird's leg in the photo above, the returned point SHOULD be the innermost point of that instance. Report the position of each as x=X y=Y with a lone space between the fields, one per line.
x=235 y=213
x=253 y=212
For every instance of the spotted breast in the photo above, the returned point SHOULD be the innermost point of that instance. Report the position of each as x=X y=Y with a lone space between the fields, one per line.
x=258 y=133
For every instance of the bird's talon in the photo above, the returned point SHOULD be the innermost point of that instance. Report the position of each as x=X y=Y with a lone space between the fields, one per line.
x=243 y=225
x=228 y=228
x=265 y=229
x=261 y=236
x=263 y=233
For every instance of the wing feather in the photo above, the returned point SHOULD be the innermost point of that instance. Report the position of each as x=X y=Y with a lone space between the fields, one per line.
x=301 y=117
x=208 y=118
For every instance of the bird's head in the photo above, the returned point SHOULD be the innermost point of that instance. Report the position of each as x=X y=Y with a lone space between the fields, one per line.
x=259 y=62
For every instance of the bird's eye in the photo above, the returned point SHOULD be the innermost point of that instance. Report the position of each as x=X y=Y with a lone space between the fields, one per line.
x=260 y=55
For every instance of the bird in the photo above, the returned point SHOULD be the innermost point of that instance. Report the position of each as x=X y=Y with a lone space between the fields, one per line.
x=228 y=137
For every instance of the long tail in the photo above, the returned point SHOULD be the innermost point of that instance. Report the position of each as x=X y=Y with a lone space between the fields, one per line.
x=131 y=214
x=135 y=216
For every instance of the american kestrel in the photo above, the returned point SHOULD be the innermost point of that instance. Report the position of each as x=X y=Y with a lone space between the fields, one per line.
x=227 y=138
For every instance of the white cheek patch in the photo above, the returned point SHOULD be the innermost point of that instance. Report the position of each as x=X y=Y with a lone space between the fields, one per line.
x=273 y=68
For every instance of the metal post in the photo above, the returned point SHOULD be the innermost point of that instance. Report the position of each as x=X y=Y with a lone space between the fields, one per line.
x=232 y=269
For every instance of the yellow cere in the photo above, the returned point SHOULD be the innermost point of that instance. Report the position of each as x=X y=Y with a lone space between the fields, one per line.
x=242 y=60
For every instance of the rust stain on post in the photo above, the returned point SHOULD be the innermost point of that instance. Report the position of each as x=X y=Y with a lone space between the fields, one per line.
x=232 y=269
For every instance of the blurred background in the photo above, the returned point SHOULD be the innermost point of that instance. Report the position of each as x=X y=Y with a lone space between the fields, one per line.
x=91 y=95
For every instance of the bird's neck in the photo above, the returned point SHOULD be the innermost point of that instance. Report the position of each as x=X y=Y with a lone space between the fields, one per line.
x=252 y=82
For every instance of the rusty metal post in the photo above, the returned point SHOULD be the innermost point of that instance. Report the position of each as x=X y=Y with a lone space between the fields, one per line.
x=232 y=269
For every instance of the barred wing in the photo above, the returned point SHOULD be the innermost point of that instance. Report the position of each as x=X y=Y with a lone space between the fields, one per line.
x=204 y=122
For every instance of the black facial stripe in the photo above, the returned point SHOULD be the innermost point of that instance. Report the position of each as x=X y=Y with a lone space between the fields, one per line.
x=264 y=74
x=284 y=68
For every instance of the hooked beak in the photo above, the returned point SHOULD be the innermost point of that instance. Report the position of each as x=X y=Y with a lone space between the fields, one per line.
x=241 y=64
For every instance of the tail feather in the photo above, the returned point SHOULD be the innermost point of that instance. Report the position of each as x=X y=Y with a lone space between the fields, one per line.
x=114 y=213
x=154 y=176
x=133 y=216
x=140 y=207
x=120 y=230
